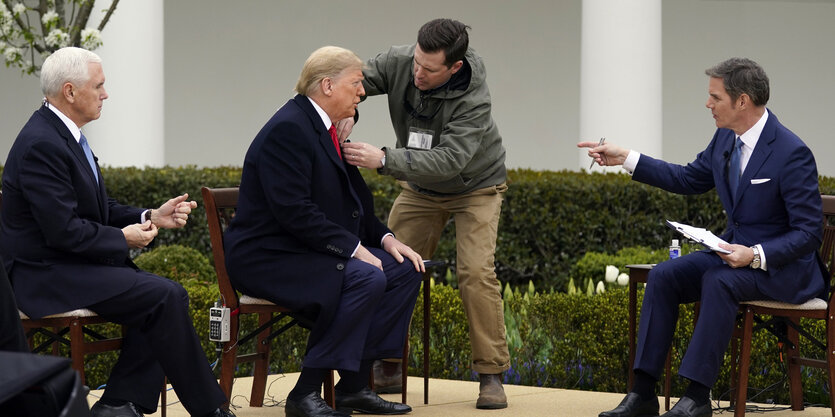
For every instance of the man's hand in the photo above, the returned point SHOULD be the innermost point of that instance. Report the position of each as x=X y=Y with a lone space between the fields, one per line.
x=174 y=213
x=606 y=154
x=364 y=255
x=398 y=250
x=344 y=128
x=140 y=235
x=740 y=256
x=363 y=155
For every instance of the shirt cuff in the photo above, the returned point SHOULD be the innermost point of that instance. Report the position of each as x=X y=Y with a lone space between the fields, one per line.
x=384 y=237
x=355 y=249
x=762 y=257
x=631 y=161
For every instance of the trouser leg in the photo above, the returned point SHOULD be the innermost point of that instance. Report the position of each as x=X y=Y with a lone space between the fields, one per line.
x=476 y=228
x=160 y=340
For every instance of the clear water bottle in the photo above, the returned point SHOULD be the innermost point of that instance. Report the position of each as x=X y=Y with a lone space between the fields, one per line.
x=675 y=249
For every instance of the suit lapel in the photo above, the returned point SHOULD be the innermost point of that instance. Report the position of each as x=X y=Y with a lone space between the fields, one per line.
x=75 y=149
x=758 y=156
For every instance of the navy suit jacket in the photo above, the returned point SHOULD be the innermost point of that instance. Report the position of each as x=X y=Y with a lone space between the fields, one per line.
x=777 y=205
x=301 y=213
x=61 y=238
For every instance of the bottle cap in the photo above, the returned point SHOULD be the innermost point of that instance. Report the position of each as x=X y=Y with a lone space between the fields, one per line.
x=675 y=242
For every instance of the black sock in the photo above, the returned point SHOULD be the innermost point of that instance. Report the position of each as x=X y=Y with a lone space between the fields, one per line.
x=644 y=385
x=113 y=402
x=310 y=380
x=351 y=382
x=700 y=394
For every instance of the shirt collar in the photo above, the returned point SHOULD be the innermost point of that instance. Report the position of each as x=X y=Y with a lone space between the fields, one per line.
x=74 y=130
x=752 y=135
x=325 y=118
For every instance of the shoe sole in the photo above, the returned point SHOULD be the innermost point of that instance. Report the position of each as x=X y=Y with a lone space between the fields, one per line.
x=350 y=411
x=491 y=406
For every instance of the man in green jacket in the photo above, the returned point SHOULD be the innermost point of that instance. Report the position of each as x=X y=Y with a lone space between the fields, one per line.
x=449 y=159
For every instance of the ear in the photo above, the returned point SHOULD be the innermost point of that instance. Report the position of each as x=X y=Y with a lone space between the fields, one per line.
x=456 y=66
x=743 y=100
x=327 y=86
x=68 y=91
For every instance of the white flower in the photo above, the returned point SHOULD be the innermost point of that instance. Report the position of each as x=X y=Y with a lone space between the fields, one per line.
x=623 y=279
x=57 y=38
x=90 y=39
x=611 y=273
x=601 y=288
x=19 y=9
x=49 y=17
x=12 y=54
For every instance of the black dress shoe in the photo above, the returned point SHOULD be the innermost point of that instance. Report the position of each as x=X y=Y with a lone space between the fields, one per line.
x=686 y=407
x=219 y=412
x=312 y=405
x=633 y=406
x=127 y=409
x=368 y=402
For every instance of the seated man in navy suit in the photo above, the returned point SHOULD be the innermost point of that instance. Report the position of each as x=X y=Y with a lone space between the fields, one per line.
x=65 y=246
x=305 y=237
x=767 y=182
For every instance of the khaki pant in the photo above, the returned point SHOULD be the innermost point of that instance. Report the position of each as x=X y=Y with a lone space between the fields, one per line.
x=418 y=220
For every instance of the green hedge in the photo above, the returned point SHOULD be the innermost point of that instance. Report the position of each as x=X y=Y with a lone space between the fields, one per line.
x=555 y=339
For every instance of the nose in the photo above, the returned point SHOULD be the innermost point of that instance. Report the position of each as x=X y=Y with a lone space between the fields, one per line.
x=361 y=90
x=104 y=94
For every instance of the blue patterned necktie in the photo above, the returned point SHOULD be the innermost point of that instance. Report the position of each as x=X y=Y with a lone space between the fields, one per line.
x=734 y=169
x=89 y=154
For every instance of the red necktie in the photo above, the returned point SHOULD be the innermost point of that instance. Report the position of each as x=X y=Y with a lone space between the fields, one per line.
x=335 y=140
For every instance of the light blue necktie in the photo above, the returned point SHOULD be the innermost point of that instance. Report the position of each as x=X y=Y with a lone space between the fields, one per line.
x=734 y=169
x=89 y=154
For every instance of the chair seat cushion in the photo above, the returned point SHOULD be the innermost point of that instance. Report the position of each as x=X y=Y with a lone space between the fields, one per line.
x=81 y=312
x=813 y=304
x=245 y=299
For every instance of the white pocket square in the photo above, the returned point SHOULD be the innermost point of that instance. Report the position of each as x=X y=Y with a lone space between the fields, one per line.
x=756 y=181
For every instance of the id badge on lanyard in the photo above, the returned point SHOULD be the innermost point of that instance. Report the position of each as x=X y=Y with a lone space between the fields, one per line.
x=420 y=138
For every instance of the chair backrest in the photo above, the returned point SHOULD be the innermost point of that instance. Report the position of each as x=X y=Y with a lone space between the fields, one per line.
x=828 y=246
x=220 y=204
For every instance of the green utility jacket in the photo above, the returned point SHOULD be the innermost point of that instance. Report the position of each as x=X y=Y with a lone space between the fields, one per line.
x=466 y=152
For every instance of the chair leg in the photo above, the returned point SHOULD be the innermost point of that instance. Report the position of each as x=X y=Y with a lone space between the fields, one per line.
x=262 y=364
x=795 y=384
x=77 y=348
x=744 y=363
x=668 y=378
x=734 y=354
x=163 y=400
x=228 y=360
x=830 y=359
x=404 y=370
x=426 y=319
x=330 y=396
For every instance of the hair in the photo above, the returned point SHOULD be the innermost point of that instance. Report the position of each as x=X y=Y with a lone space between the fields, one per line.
x=742 y=76
x=325 y=62
x=445 y=35
x=65 y=65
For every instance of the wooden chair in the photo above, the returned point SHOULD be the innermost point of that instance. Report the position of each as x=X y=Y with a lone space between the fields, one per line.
x=789 y=316
x=70 y=329
x=220 y=204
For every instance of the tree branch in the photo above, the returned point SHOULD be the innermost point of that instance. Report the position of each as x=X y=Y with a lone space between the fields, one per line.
x=110 y=11
x=81 y=21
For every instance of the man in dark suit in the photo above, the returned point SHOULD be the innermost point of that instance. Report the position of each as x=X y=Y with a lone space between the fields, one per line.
x=767 y=182
x=66 y=246
x=305 y=236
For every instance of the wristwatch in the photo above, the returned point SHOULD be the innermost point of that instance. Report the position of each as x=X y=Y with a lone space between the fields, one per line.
x=148 y=215
x=756 y=262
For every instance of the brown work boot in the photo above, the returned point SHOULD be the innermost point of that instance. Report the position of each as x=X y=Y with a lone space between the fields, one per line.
x=490 y=392
x=388 y=377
